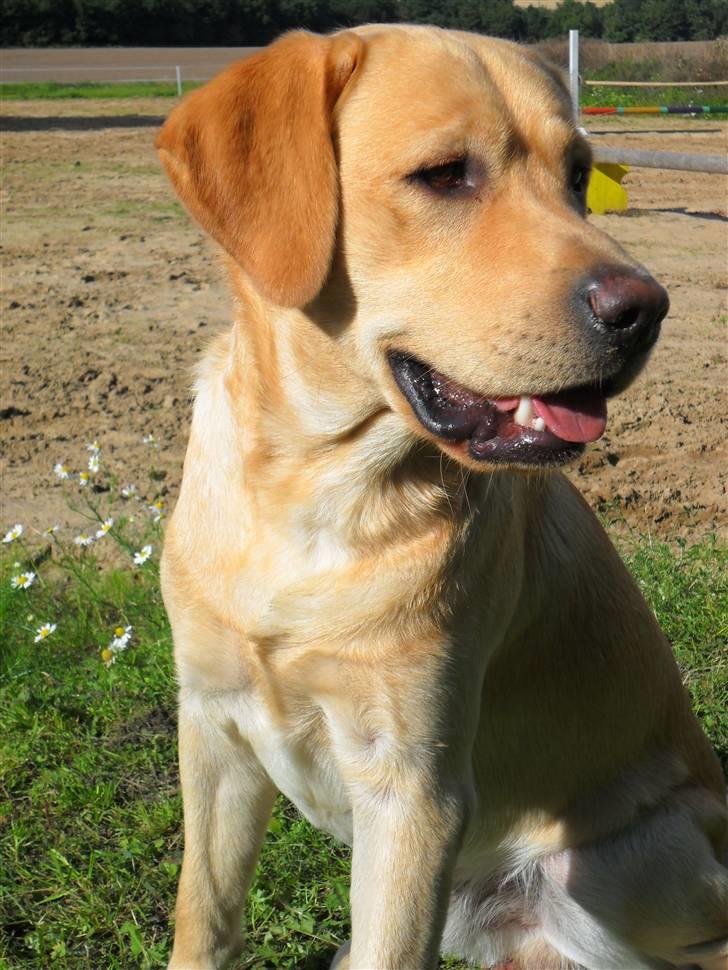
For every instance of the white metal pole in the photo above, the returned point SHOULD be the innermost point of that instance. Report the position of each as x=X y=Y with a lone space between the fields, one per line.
x=574 y=70
x=675 y=161
x=179 y=82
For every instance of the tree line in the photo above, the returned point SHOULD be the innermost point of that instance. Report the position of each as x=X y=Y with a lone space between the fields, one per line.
x=165 y=23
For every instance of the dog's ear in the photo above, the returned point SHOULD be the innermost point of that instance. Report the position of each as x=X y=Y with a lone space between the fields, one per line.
x=251 y=155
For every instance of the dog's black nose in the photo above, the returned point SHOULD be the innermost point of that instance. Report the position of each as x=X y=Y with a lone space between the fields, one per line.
x=626 y=307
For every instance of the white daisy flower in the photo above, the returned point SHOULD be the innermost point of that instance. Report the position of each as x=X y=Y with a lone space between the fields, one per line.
x=61 y=470
x=141 y=557
x=14 y=533
x=105 y=526
x=51 y=530
x=94 y=447
x=149 y=439
x=84 y=540
x=83 y=479
x=119 y=643
x=156 y=510
x=122 y=636
x=23 y=580
x=128 y=491
x=94 y=463
x=43 y=631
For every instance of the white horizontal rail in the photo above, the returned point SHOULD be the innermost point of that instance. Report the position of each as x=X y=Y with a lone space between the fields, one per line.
x=80 y=67
x=170 y=73
x=159 y=79
x=656 y=84
x=169 y=79
x=675 y=161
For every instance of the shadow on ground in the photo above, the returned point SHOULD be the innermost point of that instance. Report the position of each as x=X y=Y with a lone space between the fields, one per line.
x=677 y=210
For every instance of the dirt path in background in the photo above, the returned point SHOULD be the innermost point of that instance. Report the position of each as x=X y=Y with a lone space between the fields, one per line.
x=73 y=64
x=110 y=293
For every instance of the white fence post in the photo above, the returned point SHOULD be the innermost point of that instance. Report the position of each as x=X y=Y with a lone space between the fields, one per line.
x=179 y=81
x=574 y=70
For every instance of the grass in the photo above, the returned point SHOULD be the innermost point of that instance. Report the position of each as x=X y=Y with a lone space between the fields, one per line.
x=156 y=211
x=687 y=587
x=608 y=96
x=593 y=97
x=90 y=814
x=54 y=90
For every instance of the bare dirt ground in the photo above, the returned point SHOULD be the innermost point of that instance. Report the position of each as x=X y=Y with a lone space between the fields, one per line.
x=110 y=293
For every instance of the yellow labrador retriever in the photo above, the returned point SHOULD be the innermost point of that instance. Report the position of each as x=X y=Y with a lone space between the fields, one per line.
x=386 y=600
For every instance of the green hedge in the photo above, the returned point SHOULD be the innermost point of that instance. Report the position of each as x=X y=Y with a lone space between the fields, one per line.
x=40 y=23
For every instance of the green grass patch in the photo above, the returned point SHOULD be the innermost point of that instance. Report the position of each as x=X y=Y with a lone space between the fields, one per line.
x=601 y=96
x=90 y=813
x=687 y=587
x=607 y=96
x=53 y=90
x=157 y=211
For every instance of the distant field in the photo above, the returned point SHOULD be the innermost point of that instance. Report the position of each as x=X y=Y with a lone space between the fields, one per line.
x=694 y=60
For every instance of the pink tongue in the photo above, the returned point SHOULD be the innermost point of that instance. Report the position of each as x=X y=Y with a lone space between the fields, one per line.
x=573 y=415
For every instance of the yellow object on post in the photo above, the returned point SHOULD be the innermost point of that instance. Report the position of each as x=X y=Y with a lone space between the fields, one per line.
x=605 y=192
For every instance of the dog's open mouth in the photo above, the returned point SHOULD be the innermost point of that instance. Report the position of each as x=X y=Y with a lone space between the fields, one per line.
x=526 y=430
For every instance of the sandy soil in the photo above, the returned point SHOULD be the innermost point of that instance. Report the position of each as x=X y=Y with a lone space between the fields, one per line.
x=110 y=293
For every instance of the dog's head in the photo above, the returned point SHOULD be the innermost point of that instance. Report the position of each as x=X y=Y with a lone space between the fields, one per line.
x=421 y=194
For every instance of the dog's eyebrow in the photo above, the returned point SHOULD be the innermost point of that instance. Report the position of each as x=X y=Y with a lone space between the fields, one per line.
x=556 y=137
x=435 y=138
x=441 y=144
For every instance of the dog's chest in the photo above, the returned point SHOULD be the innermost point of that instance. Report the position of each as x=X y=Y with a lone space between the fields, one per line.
x=297 y=755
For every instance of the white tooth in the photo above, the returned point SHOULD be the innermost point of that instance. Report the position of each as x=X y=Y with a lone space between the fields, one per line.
x=539 y=424
x=524 y=413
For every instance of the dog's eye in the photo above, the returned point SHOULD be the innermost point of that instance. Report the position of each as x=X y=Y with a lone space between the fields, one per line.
x=578 y=179
x=448 y=179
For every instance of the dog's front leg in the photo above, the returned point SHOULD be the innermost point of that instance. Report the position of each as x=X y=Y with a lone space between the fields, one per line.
x=227 y=802
x=407 y=767
x=405 y=845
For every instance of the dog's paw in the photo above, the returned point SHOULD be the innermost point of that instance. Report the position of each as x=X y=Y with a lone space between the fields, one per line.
x=341 y=960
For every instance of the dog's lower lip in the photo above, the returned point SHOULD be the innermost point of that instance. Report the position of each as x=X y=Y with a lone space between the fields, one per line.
x=488 y=430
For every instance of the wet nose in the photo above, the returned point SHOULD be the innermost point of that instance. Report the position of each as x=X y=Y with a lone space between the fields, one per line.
x=627 y=307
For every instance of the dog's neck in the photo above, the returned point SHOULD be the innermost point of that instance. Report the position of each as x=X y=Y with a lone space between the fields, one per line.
x=312 y=426
x=310 y=488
